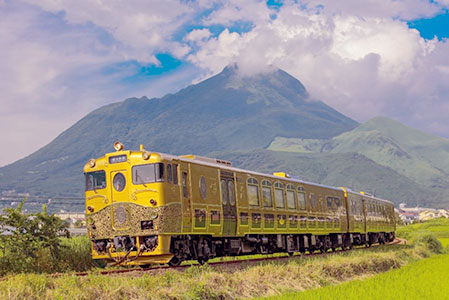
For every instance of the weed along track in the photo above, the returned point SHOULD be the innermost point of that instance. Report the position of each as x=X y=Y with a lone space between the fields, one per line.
x=235 y=263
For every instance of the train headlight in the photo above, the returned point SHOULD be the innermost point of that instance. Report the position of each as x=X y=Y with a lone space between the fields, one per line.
x=146 y=155
x=118 y=146
x=91 y=162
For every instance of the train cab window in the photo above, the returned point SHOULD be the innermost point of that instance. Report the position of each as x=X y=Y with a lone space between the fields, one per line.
x=175 y=174
x=267 y=197
x=279 y=195
x=253 y=192
x=159 y=168
x=95 y=180
x=301 y=198
x=169 y=173
x=148 y=173
x=291 y=201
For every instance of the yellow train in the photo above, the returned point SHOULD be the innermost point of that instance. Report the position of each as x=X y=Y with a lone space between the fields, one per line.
x=145 y=208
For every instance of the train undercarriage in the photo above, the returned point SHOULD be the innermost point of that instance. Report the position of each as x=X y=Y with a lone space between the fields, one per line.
x=203 y=247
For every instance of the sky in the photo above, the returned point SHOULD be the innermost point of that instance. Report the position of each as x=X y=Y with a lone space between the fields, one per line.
x=61 y=59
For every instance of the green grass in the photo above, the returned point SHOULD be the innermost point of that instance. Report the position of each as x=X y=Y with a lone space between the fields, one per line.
x=225 y=282
x=425 y=279
x=438 y=227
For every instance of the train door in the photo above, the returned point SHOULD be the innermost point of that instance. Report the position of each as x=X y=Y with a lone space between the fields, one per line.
x=119 y=192
x=227 y=187
x=186 y=195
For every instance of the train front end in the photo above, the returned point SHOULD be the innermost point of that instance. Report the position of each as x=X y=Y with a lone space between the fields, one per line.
x=127 y=214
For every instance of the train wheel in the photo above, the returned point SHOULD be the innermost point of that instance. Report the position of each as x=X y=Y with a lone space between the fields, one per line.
x=202 y=260
x=145 y=266
x=291 y=253
x=175 y=261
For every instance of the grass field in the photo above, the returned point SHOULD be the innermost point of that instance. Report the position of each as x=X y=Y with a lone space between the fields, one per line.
x=228 y=282
x=439 y=228
x=425 y=279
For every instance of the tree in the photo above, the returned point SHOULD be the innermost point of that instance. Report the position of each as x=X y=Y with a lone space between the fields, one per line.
x=24 y=236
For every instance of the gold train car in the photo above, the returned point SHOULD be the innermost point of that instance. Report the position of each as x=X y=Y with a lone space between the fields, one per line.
x=145 y=208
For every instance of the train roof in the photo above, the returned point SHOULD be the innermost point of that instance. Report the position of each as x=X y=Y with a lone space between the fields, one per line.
x=223 y=164
x=227 y=165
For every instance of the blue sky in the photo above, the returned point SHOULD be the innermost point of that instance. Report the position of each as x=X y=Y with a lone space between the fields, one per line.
x=62 y=59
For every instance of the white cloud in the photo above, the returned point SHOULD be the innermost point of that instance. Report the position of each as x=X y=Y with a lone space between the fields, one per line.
x=403 y=9
x=140 y=27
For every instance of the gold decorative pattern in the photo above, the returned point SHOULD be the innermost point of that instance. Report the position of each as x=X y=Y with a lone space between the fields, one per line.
x=166 y=219
x=133 y=195
x=105 y=199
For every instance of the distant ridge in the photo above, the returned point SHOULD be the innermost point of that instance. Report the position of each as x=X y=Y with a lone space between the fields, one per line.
x=420 y=157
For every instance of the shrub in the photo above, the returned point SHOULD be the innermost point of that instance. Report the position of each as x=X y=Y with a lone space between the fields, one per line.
x=430 y=242
x=31 y=242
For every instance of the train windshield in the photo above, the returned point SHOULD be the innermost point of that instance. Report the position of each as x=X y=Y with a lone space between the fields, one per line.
x=148 y=173
x=95 y=180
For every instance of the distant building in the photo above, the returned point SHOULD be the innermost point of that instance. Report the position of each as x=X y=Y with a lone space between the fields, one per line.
x=73 y=218
x=409 y=215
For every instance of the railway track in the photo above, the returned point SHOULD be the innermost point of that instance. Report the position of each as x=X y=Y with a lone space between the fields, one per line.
x=237 y=261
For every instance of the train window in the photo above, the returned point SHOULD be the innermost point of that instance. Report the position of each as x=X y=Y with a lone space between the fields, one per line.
x=302 y=200
x=148 y=173
x=293 y=220
x=337 y=202
x=282 y=221
x=268 y=220
x=329 y=202
x=175 y=174
x=253 y=192
x=279 y=195
x=231 y=193
x=184 y=184
x=224 y=192
x=169 y=173
x=215 y=217
x=255 y=220
x=291 y=203
x=244 y=218
x=313 y=202
x=95 y=180
x=267 y=197
x=200 y=218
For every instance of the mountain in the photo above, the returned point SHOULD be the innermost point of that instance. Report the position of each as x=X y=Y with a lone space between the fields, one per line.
x=420 y=157
x=226 y=112
x=340 y=169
